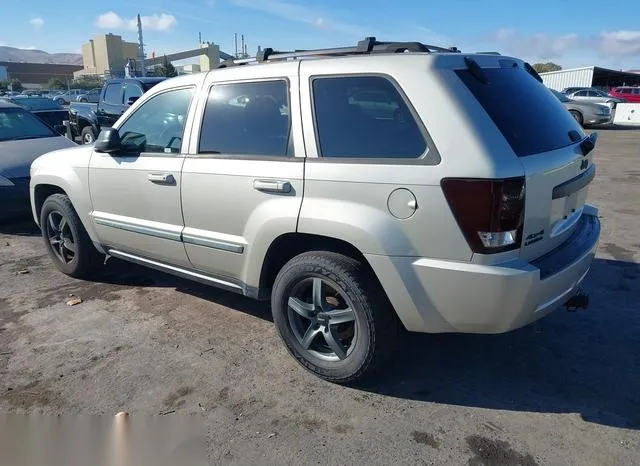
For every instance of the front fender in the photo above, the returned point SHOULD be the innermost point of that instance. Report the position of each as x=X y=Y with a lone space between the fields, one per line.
x=67 y=170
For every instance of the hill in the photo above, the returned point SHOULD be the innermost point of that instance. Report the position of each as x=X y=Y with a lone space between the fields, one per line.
x=13 y=54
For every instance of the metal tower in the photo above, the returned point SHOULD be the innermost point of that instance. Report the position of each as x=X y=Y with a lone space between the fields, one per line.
x=141 y=48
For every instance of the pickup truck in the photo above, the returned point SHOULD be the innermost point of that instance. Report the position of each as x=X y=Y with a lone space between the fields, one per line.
x=87 y=120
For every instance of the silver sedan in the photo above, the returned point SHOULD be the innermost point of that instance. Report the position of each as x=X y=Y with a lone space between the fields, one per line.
x=595 y=96
x=585 y=113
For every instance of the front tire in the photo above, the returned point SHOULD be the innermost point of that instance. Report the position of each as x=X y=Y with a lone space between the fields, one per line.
x=577 y=116
x=332 y=316
x=66 y=239
x=61 y=102
x=87 y=135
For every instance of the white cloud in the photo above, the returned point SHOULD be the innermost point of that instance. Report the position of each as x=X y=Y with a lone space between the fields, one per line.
x=303 y=14
x=36 y=22
x=161 y=22
x=620 y=43
x=539 y=46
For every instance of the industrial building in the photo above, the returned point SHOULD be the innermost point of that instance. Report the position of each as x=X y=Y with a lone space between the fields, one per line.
x=37 y=75
x=106 y=54
x=589 y=76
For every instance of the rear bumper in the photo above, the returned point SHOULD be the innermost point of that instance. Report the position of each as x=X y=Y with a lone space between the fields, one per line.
x=599 y=120
x=436 y=296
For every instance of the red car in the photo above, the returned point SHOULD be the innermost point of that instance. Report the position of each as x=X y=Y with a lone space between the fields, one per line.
x=631 y=94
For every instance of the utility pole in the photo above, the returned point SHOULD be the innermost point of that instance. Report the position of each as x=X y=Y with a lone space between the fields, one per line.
x=235 y=40
x=141 y=48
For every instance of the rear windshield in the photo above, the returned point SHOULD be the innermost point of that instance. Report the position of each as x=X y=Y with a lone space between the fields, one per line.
x=528 y=115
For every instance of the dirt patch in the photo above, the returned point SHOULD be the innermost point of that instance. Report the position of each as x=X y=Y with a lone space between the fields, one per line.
x=618 y=252
x=30 y=395
x=342 y=428
x=490 y=452
x=425 y=438
x=170 y=401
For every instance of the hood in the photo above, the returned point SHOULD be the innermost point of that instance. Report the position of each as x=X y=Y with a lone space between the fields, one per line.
x=16 y=156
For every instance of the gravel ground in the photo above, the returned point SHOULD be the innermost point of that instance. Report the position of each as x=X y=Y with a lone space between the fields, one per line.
x=563 y=391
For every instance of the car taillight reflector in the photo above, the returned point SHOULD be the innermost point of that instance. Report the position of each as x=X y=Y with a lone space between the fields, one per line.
x=490 y=213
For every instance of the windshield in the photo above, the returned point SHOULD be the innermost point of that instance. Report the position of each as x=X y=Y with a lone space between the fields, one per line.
x=561 y=97
x=16 y=124
x=37 y=103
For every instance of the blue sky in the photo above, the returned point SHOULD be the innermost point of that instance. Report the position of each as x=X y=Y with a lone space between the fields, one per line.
x=569 y=32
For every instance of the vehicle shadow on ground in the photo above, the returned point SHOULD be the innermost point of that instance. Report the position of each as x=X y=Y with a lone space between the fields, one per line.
x=19 y=226
x=122 y=273
x=586 y=362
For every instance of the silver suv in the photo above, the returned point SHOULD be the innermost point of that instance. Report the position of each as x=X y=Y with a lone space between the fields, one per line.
x=361 y=190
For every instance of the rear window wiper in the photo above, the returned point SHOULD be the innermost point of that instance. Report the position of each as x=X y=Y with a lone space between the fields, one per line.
x=476 y=70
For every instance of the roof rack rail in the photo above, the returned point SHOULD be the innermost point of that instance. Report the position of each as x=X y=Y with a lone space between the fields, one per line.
x=367 y=46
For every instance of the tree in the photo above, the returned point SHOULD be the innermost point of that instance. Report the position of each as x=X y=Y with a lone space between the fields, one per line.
x=56 y=83
x=546 y=67
x=166 y=69
x=87 y=82
x=14 y=84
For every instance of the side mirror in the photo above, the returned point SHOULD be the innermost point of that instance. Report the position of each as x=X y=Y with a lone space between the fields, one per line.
x=108 y=141
x=131 y=100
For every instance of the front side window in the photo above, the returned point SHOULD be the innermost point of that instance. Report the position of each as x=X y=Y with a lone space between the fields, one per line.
x=113 y=94
x=17 y=124
x=364 y=117
x=158 y=124
x=247 y=119
x=581 y=94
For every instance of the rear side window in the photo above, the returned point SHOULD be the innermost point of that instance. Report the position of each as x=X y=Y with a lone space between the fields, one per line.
x=113 y=94
x=364 y=117
x=530 y=117
x=247 y=119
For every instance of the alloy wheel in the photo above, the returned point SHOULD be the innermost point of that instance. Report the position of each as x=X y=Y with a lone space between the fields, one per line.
x=61 y=238
x=322 y=319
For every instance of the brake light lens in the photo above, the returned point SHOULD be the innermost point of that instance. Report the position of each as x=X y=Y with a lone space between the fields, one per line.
x=490 y=213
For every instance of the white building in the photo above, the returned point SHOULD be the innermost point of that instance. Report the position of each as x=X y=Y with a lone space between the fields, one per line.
x=589 y=76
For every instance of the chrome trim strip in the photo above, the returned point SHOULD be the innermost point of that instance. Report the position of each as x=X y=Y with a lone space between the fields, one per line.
x=212 y=243
x=159 y=233
x=184 y=273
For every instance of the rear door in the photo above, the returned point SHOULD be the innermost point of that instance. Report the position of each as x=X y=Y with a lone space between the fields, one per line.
x=546 y=140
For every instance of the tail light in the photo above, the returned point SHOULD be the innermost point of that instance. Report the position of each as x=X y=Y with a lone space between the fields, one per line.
x=490 y=213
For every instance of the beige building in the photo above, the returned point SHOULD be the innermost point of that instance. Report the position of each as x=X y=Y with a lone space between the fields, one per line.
x=106 y=54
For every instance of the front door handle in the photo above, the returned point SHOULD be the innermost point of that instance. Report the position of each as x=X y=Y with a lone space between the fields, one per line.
x=161 y=178
x=272 y=186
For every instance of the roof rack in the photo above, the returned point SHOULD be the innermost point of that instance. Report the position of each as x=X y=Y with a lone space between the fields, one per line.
x=367 y=46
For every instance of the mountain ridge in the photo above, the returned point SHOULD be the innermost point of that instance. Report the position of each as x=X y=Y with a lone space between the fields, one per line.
x=17 y=55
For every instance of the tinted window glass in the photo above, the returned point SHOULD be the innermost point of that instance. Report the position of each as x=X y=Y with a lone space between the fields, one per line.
x=16 y=124
x=581 y=93
x=365 y=117
x=113 y=94
x=158 y=124
x=531 y=118
x=247 y=118
x=131 y=90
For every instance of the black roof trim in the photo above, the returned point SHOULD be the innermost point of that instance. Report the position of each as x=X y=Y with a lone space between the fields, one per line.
x=367 y=46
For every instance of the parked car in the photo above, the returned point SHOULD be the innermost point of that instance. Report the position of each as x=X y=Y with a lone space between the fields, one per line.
x=571 y=90
x=92 y=95
x=595 y=96
x=23 y=137
x=47 y=110
x=116 y=96
x=350 y=223
x=585 y=113
x=630 y=94
x=66 y=97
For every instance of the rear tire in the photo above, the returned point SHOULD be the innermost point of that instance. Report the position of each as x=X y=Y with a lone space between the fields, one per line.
x=87 y=135
x=577 y=116
x=66 y=239
x=333 y=316
x=60 y=101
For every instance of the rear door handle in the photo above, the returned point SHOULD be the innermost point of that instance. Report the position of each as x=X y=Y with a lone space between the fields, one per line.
x=272 y=186
x=161 y=178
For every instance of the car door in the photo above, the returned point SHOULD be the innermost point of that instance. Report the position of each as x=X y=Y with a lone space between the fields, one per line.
x=135 y=193
x=110 y=108
x=242 y=180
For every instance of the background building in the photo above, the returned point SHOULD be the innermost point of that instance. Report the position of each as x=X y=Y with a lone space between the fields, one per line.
x=37 y=75
x=590 y=76
x=106 y=54
x=4 y=73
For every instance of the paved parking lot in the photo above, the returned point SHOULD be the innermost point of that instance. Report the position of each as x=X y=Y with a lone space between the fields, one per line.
x=563 y=391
